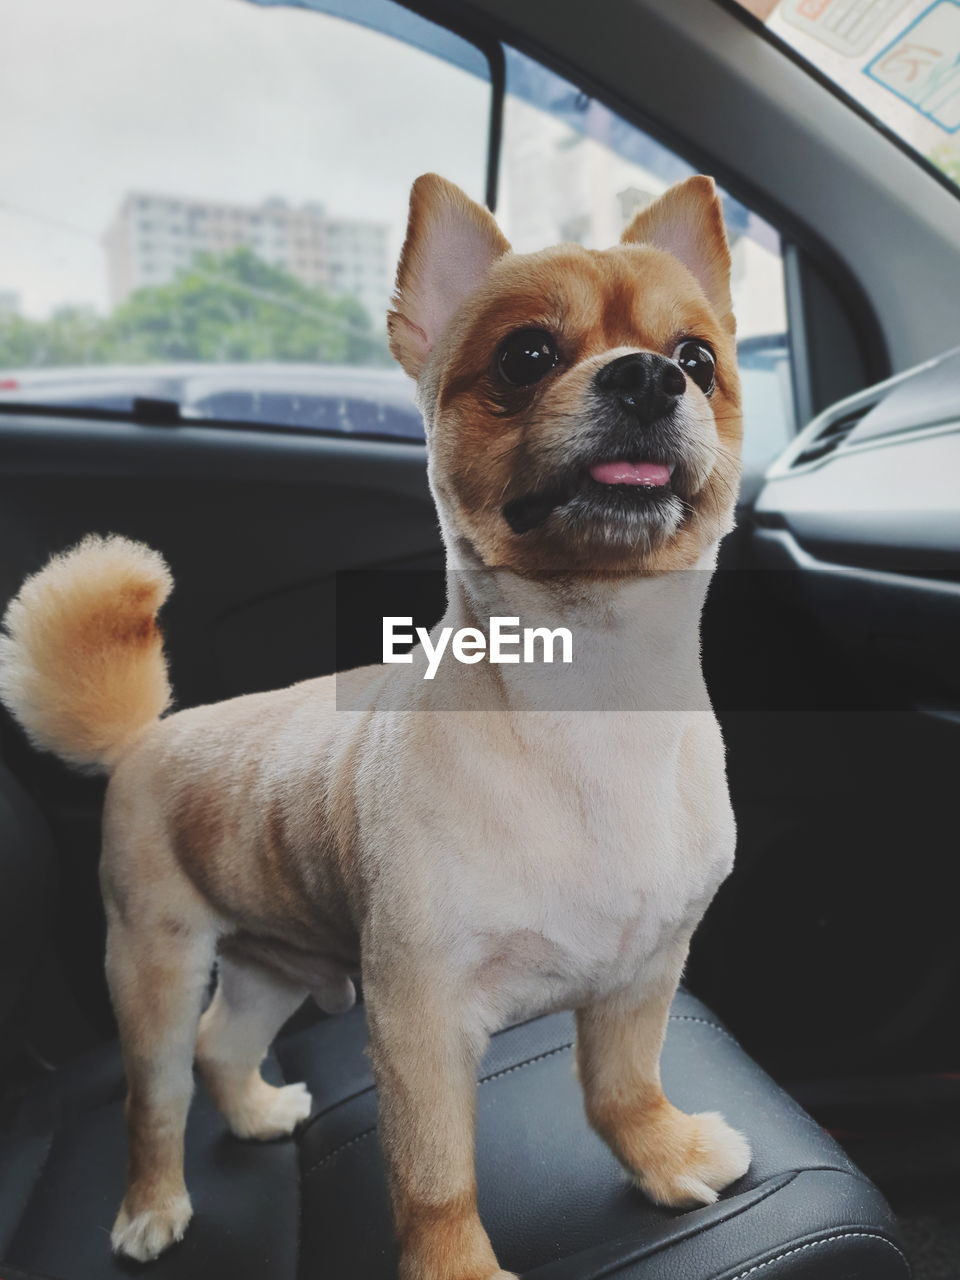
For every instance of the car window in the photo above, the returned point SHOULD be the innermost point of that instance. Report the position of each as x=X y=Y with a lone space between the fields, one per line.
x=197 y=187
x=573 y=170
x=230 y=247
x=898 y=59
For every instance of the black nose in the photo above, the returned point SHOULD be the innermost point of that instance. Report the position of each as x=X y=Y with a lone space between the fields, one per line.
x=647 y=384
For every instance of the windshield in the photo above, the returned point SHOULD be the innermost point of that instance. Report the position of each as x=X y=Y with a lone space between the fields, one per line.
x=899 y=59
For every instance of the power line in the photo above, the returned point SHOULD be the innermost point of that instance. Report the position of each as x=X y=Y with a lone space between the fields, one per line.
x=59 y=223
x=279 y=300
x=238 y=286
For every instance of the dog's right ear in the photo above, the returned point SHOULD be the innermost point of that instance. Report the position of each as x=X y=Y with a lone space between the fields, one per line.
x=451 y=244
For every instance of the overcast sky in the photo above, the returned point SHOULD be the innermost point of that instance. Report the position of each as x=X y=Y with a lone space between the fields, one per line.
x=213 y=98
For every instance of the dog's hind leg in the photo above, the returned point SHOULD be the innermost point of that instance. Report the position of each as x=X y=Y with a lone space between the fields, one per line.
x=158 y=968
x=250 y=1006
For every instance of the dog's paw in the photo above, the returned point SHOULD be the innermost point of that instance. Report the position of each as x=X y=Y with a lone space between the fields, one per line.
x=267 y=1112
x=702 y=1157
x=144 y=1235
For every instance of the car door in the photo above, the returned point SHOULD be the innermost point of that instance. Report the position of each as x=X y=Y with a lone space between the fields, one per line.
x=245 y=225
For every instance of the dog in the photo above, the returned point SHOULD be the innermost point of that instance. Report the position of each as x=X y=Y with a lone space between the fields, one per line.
x=483 y=852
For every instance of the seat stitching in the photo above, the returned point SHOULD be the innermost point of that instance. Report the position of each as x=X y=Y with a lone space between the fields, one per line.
x=527 y=1062
x=368 y=1088
x=359 y=1137
x=332 y=1155
x=340 y=1102
x=689 y=1017
x=815 y=1244
x=614 y=1268
x=495 y=1075
x=695 y=1233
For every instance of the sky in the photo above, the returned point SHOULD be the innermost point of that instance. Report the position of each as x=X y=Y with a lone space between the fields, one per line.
x=218 y=99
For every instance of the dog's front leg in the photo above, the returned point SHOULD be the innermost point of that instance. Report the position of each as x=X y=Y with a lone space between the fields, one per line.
x=679 y=1160
x=425 y=1046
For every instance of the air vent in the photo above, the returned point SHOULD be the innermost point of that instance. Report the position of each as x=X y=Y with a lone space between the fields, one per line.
x=833 y=435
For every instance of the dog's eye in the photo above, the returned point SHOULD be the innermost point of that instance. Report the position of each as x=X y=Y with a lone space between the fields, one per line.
x=697 y=360
x=525 y=356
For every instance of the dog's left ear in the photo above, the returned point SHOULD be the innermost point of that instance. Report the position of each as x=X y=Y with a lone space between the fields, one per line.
x=687 y=221
x=451 y=244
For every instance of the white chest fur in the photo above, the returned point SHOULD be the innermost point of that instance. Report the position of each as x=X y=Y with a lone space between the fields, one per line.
x=562 y=882
x=550 y=856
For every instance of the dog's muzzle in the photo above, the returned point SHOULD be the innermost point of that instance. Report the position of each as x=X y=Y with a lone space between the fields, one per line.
x=643 y=385
x=633 y=418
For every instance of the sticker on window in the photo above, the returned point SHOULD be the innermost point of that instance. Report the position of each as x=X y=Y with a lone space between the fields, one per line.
x=849 y=26
x=922 y=65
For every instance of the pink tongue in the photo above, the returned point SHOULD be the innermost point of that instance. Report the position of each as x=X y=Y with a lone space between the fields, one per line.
x=648 y=473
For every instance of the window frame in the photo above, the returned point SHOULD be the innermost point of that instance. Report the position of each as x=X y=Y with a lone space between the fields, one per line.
x=805 y=253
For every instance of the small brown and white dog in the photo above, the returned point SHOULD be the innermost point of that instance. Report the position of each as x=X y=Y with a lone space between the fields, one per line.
x=485 y=863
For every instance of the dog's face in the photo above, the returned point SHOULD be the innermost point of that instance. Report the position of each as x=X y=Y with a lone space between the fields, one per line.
x=582 y=407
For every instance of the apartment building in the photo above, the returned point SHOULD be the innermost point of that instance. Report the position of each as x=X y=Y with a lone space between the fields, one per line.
x=153 y=236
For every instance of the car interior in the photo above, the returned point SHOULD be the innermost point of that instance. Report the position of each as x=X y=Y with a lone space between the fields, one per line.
x=289 y=494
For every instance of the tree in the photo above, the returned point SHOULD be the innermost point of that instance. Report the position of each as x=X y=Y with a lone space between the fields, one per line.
x=234 y=307
x=72 y=335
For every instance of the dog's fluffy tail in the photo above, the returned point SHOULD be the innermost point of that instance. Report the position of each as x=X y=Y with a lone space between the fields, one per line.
x=82 y=665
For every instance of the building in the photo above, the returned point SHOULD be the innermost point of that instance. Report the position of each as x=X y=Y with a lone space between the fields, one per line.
x=152 y=237
x=559 y=185
x=9 y=304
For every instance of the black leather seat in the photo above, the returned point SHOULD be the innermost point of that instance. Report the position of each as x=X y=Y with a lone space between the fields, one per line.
x=556 y=1204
